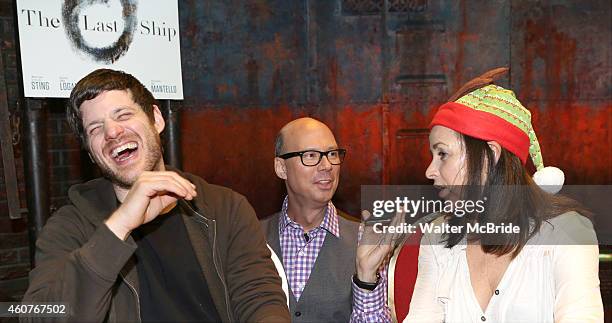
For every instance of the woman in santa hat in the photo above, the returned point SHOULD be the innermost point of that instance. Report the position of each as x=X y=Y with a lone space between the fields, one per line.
x=547 y=269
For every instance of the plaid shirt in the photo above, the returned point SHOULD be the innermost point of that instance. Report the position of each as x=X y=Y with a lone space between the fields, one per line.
x=371 y=306
x=300 y=255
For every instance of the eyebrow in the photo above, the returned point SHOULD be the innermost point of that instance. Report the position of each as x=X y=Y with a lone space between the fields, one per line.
x=92 y=123
x=115 y=112
x=121 y=109
x=317 y=149
x=437 y=144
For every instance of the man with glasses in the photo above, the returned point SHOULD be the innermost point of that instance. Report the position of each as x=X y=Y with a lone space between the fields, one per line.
x=316 y=242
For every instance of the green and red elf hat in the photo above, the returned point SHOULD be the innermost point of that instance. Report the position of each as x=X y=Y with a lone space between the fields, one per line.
x=492 y=113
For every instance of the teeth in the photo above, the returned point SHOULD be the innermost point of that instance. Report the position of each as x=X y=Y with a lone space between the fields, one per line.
x=129 y=145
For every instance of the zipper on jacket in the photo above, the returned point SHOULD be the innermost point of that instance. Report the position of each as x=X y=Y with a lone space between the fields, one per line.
x=214 y=255
x=227 y=301
x=135 y=294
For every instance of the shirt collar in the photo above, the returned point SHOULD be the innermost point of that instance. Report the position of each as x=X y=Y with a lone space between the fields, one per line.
x=329 y=223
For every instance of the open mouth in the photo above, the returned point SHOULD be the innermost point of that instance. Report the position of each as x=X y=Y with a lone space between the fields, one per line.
x=124 y=152
x=444 y=191
x=439 y=187
x=324 y=183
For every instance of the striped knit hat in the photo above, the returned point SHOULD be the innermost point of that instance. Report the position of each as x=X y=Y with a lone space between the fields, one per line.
x=492 y=113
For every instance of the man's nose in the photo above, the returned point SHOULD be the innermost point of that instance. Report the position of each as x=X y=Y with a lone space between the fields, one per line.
x=324 y=164
x=112 y=129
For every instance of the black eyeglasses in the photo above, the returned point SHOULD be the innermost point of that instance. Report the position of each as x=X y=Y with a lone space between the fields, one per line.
x=313 y=157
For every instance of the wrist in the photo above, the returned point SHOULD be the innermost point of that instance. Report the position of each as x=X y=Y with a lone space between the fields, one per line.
x=367 y=276
x=366 y=285
x=121 y=231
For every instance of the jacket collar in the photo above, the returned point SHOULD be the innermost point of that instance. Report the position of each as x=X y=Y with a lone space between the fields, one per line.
x=96 y=199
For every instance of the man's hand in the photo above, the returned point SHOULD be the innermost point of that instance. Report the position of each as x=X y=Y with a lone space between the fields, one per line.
x=374 y=247
x=149 y=196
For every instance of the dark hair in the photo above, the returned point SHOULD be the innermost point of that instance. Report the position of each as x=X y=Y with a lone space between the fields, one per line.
x=511 y=197
x=101 y=80
x=278 y=144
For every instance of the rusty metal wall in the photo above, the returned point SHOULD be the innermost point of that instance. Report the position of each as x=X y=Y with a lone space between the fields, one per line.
x=375 y=79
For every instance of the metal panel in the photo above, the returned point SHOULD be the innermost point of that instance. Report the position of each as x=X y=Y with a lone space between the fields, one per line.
x=376 y=80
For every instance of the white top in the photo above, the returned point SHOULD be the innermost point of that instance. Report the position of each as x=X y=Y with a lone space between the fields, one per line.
x=553 y=279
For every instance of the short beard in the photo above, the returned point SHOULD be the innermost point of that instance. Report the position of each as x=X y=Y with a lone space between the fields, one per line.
x=152 y=160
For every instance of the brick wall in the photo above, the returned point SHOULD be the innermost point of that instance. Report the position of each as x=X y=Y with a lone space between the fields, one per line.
x=14 y=252
x=66 y=165
x=65 y=169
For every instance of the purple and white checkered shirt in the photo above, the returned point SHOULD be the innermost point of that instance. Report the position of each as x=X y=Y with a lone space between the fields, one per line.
x=299 y=254
x=299 y=257
x=371 y=306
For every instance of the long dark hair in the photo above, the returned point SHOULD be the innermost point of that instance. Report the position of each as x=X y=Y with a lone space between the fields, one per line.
x=511 y=197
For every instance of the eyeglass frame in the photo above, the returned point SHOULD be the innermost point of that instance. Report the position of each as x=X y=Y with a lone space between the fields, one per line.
x=341 y=155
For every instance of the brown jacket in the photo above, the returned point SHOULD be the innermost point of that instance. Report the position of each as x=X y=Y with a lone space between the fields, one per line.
x=81 y=262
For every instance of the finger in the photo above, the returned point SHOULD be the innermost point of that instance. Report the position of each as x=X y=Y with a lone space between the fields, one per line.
x=390 y=238
x=159 y=175
x=187 y=186
x=159 y=186
x=369 y=236
x=185 y=182
x=365 y=215
x=397 y=221
x=368 y=219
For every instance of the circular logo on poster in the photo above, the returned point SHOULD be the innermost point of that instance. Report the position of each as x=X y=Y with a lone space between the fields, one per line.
x=72 y=13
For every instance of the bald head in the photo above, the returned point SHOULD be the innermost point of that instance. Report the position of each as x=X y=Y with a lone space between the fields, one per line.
x=308 y=185
x=287 y=137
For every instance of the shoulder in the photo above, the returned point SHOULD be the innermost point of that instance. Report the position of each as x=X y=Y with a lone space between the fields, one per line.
x=214 y=199
x=270 y=218
x=349 y=226
x=347 y=219
x=66 y=227
x=211 y=191
x=89 y=204
x=567 y=228
x=207 y=190
x=571 y=218
x=92 y=186
x=94 y=199
x=429 y=225
x=269 y=222
x=66 y=216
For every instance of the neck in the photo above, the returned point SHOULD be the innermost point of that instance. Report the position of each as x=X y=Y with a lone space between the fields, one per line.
x=308 y=216
x=121 y=192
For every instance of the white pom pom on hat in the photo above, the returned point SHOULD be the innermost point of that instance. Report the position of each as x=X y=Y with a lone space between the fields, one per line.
x=550 y=179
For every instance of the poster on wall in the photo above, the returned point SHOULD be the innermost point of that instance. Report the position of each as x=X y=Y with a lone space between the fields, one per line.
x=63 y=40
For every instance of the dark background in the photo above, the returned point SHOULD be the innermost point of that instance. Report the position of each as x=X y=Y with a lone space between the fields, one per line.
x=251 y=66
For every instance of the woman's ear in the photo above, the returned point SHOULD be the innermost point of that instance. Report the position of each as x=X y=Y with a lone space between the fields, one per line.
x=496 y=148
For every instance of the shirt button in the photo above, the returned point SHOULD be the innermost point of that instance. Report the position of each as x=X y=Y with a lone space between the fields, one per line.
x=482 y=318
x=298 y=313
x=497 y=292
